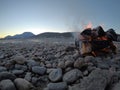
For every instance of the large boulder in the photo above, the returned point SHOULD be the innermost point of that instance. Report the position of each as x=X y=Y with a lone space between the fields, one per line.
x=32 y=63
x=20 y=67
x=3 y=69
x=22 y=84
x=72 y=76
x=49 y=70
x=34 y=80
x=103 y=65
x=28 y=76
x=39 y=70
x=19 y=59
x=116 y=87
x=7 y=85
x=88 y=59
x=79 y=63
x=97 y=80
x=17 y=72
x=69 y=63
x=9 y=64
x=56 y=75
x=7 y=75
x=118 y=74
x=49 y=65
x=61 y=64
x=57 y=86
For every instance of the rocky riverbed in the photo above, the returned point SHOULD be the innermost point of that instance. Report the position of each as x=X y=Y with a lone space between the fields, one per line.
x=51 y=64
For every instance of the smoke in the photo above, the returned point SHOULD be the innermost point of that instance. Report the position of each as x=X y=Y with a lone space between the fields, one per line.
x=77 y=28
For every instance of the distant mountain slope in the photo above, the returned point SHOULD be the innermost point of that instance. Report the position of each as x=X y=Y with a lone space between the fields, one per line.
x=20 y=36
x=54 y=35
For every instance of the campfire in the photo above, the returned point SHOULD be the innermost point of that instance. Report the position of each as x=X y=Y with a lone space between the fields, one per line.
x=96 y=41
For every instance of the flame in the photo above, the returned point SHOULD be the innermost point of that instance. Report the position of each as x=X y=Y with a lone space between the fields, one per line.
x=89 y=25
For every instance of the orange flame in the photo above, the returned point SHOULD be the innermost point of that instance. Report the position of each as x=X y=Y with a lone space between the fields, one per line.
x=89 y=25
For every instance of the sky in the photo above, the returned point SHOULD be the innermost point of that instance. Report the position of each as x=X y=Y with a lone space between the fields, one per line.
x=38 y=16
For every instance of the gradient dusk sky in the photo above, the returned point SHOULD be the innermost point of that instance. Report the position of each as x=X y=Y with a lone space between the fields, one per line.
x=37 y=16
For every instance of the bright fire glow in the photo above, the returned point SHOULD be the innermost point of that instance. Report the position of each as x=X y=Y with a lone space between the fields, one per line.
x=89 y=25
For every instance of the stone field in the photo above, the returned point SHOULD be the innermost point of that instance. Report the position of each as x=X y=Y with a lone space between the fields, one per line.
x=50 y=64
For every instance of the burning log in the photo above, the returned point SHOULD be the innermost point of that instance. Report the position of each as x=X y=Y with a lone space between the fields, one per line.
x=95 y=41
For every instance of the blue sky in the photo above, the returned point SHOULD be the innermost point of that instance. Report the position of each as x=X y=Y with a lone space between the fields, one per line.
x=37 y=16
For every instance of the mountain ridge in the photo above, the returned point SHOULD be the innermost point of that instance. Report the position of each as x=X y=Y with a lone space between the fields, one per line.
x=54 y=35
x=20 y=36
x=25 y=35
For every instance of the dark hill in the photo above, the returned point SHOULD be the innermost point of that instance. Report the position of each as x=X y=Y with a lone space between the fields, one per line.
x=20 y=36
x=54 y=35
